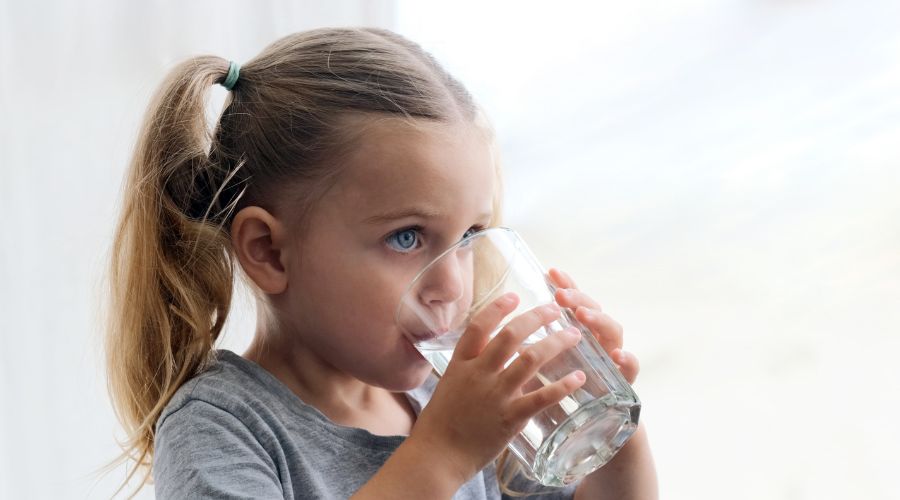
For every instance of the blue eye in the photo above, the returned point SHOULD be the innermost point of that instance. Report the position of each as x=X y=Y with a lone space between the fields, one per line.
x=404 y=240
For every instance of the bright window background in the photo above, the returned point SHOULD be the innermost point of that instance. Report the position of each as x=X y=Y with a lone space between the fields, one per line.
x=723 y=177
x=720 y=175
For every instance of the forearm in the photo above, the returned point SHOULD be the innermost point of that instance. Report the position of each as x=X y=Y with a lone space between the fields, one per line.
x=413 y=471
x=630 y=475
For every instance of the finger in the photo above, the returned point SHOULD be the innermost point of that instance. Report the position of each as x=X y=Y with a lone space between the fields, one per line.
x=531 y=359
x=574 y=298
x=627 y=363
x=535 y=401
x=507 y=342
x=477 y=334
x=606 y=330
x=561 y=279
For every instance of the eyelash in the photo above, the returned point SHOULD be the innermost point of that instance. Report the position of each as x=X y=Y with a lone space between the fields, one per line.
x=419 y=229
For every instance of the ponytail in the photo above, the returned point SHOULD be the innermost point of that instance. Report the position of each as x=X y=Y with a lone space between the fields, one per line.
x=171 y=270
x=172 y=266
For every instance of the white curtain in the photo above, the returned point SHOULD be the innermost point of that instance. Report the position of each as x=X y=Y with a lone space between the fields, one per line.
x=721 y=175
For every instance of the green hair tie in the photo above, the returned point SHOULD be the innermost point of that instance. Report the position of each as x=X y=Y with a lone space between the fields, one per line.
x=234 y=71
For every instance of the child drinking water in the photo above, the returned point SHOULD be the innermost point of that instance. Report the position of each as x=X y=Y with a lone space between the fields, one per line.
x=343 y=162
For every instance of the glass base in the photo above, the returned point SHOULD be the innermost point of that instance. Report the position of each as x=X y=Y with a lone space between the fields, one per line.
x=587 y=440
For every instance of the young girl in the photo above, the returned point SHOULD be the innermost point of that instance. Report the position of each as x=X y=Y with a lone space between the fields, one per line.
x=344 y=161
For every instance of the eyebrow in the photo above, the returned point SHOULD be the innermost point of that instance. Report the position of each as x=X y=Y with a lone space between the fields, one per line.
x=410 y=212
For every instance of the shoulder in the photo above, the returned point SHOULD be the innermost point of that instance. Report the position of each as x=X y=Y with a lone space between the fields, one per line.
x=215 y=433
x=204 y=451
x=227 y=398
x=231 y=384
x=233 y=399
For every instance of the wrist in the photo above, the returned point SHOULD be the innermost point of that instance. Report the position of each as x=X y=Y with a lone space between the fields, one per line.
x=446 y=463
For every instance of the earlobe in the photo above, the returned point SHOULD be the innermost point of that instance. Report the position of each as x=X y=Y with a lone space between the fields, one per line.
x=258 y=240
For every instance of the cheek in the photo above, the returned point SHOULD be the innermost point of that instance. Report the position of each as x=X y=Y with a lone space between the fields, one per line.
x=355 y=294
x=362 y=298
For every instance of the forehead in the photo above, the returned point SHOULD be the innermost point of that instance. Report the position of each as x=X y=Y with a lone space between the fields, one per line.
x=445 y=168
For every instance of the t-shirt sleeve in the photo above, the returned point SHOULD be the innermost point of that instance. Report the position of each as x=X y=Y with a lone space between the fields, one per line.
x=203 y=451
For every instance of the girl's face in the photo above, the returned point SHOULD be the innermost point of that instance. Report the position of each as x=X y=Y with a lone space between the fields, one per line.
x=406 y=194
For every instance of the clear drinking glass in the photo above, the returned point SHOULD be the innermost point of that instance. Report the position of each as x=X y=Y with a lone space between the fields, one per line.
x=567 y=441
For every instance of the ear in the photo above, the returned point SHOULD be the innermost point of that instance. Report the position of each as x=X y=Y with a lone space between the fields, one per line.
x=258 y=239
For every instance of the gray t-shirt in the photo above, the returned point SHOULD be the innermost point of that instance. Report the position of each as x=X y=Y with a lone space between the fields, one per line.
x=235 y=431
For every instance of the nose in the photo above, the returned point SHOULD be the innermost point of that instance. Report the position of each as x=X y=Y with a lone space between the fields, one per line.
x=444 y=281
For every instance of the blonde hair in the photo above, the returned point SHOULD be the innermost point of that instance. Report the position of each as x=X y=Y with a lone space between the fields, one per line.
x=172 y=268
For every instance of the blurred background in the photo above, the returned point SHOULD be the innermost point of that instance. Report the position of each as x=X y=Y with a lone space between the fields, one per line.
x=723 y=176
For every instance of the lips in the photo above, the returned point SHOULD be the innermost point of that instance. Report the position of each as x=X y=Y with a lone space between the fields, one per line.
x=428 y=335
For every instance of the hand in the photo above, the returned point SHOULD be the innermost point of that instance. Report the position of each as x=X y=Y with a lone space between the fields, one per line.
x=478 y=405
x=605 y=329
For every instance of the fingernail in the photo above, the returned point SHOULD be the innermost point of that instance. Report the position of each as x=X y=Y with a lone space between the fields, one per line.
x=573 y=332
x=616 y=356
x=579 y=376
x=588 y=315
